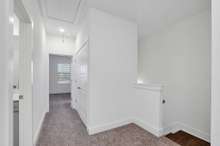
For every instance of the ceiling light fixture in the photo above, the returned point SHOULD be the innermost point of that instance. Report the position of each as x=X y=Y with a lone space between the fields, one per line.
x=61 y=30
x=11 y=20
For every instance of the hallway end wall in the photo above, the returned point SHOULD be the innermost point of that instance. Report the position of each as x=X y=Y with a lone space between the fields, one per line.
x=54 y=86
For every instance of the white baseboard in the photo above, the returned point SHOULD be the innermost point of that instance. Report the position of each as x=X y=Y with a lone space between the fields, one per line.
x=177 y=126
x=37 y=133
x=108 y=126
x=112 y=125
x=173 y=128
x=147 y=127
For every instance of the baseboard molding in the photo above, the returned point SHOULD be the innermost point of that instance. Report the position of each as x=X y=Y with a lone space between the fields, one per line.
x=37 y=133
x=173 y=128
x=109 y=126
x=177 y=126
x=112 y=125
x=147 y=127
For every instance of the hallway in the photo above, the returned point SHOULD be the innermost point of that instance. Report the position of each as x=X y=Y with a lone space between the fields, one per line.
x=63 y=127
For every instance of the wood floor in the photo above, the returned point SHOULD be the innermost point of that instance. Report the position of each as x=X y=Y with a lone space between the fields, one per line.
x=185 y=139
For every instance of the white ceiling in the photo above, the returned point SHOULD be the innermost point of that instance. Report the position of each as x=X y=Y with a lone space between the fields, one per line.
x=151 y=15
x=62 y=10
x=61 y=14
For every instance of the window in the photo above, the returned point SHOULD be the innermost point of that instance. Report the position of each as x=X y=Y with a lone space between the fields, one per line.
x=63 y=73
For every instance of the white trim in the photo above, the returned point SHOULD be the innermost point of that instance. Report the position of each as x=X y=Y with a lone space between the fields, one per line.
x=37 y=133
x=108 y=126
x=147 y=127
x=177 y=126
x=173 y=128
x=150 y=87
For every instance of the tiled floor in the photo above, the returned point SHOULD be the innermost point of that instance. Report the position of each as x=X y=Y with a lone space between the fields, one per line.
x=63 y=127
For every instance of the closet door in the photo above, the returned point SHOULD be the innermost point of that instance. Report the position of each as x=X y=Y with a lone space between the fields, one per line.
x=75 y=84
x=82 y=82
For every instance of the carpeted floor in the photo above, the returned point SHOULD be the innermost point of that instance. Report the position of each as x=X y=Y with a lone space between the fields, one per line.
x=63 y=127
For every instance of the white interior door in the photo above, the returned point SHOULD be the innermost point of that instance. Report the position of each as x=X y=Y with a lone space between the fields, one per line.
x=81 y=82
x=75 y=84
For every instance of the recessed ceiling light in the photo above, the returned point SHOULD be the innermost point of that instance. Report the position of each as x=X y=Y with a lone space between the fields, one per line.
x=11 y=20
x=61 y=30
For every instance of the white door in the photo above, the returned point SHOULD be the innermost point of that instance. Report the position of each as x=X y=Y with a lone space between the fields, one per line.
x=25 y=85
x=81 y=82
x=75 y=84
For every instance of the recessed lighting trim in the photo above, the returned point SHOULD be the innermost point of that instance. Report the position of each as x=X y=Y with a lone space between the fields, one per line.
x=11 y=20
x=61 y=30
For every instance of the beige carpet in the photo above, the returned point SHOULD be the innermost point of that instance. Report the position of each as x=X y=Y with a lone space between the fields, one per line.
x=63 y=127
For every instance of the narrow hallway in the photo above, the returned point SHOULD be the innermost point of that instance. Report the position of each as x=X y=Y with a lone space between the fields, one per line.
x=63 y=127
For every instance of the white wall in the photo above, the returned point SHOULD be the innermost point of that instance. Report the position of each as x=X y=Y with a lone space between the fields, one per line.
x=179 y=58
x=5 y=112
x=112 y=68
x=40 y=77
x=215 y=135
x=55 y=87
x=59 y=45
x=40 y=67
x=15 y=60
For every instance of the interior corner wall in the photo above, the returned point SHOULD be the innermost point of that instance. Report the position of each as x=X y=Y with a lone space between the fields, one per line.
x=215 y=135
x=112 y=68
x=179 y=58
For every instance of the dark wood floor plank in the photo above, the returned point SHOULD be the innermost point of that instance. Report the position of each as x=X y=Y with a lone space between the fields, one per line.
x=185 y=139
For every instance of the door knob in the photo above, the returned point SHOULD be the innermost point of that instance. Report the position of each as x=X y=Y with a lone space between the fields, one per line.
x=78 y=87
x=21 y=97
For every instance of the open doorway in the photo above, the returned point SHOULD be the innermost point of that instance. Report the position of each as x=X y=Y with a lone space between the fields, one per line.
x=60 y=78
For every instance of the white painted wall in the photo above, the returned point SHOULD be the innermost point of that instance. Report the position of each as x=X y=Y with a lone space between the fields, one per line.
x=15 y=60
x=40 y=76
x=215 y=135
x=83 y=33
x=179 y=58
x=60 y=45
x=55 y=87
x=40 y=67
x=112 y=68
x=6 y=102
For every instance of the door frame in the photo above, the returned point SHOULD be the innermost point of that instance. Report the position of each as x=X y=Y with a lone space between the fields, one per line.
x=25 y=74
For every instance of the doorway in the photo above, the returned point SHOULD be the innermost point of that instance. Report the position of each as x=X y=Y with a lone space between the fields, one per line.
x=60 y=77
